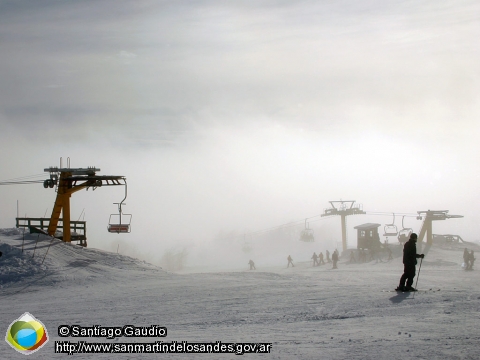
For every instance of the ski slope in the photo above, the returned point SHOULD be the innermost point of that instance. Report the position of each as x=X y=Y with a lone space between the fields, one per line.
x=305 y=312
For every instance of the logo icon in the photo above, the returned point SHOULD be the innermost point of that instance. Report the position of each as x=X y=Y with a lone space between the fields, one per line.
x=26 y=334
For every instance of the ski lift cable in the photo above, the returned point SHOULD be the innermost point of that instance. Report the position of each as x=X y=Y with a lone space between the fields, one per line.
x=286 y=225
x=24 y=177
x=299 y=222
x=323 y=218
x=22 y=182
x=390 y=214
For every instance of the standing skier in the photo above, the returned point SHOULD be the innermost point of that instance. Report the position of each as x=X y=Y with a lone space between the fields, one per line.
x=409 y=261
x=335 y=259
x=470 y=260
x=314 y=258
x=252 y=265
x=352 y=258
x=290 y=261
x=320 y=259
x=389 y=252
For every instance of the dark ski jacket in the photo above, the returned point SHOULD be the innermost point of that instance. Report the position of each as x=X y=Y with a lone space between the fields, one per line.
x=410 y=253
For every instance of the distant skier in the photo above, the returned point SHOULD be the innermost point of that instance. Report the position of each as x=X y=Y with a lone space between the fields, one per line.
x=335 y=259
x=320 y=259
x=362 y=256
x=389 y=252
x=409 y=261
x=327 y=256
x=252 y=265
x=290 y=261
x=314 y=258
x=352 y=258
x=470 y=260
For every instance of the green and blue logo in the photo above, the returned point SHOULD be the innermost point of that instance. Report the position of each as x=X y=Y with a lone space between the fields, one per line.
x=26 y=334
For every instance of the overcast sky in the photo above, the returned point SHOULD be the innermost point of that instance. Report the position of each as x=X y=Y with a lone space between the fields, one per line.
x=242 y=115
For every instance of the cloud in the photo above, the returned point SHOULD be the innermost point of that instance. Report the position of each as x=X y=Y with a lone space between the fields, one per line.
x=126 y=57
x=247 y=113
x=351 y=66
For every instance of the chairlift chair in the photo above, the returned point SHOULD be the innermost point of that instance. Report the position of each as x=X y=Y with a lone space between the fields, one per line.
x=404 y=234
x=307 y=234
x=119 y=227
x=120 y=223
x=390 y=229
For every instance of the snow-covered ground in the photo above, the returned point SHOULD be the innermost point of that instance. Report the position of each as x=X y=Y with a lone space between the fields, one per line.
x=305 y=312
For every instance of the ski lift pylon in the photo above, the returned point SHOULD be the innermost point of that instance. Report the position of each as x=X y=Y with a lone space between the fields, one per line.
x=122 y=225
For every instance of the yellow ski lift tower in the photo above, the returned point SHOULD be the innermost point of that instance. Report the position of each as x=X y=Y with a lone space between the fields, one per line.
x=68 y=181
x=428 y=216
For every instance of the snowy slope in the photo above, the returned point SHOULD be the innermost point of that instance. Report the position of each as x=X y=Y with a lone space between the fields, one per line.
x=305 y=312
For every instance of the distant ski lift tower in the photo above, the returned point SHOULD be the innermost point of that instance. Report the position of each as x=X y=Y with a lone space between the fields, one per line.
x=69 y=180
x=428 y=216
x=344 y=208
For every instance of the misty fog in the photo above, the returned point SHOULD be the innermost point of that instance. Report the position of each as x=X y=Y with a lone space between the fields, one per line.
x=231 y=119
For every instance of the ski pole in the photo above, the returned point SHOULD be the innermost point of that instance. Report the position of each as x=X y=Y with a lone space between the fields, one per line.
x=36 y=242
x=48 y=249
x=419 y=268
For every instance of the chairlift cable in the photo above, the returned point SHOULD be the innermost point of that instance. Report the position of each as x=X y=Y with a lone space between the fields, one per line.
x=286 y=225
x=390 y=214
x=24 y=177
x=26 y=182
x=299 y=222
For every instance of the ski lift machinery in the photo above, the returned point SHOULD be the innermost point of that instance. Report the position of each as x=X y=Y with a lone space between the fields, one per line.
x=67 y=181
x=115 y=223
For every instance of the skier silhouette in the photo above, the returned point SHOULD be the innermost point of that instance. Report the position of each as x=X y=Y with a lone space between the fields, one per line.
x=335 y=259
x=352 y=257
x=252 y=265
x=410 y=257
x=470 y=260
x=315 y=257
x=290 y=261
x=320 y=259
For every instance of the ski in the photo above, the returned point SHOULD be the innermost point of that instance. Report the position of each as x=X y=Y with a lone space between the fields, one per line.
x=421 y=290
